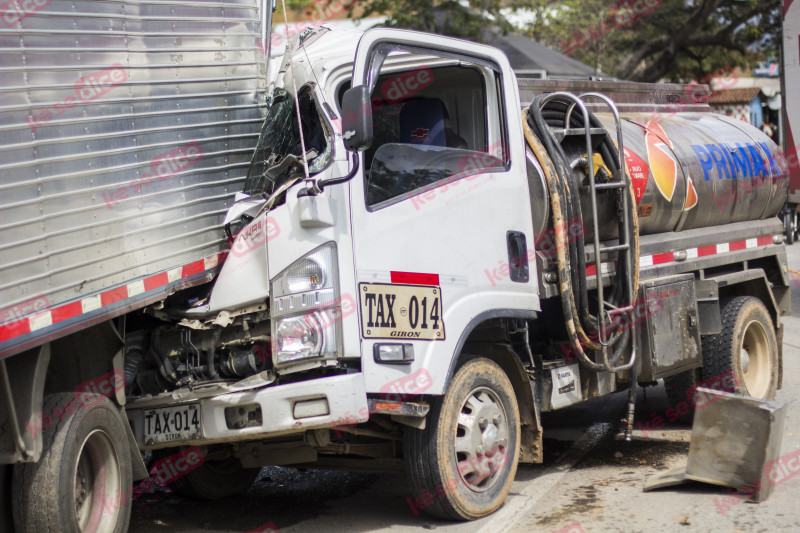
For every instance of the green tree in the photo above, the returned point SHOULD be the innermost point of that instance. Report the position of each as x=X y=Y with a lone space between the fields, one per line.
x=682 y=40
x=446 y=18
x=668 y=39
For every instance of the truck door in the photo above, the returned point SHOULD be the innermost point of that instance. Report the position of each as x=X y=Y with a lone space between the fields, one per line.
x=442 y=227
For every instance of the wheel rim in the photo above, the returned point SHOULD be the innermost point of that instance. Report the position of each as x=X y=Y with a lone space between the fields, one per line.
x=98 y=495
x=754 y=355
x=481 y=439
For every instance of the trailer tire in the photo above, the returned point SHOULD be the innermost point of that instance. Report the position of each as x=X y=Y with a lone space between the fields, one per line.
x=789 y=225
x=678 y=389
x=212 y=480
x=462 y=467
x=84 y=448
x=747 y=346
x=6 y=475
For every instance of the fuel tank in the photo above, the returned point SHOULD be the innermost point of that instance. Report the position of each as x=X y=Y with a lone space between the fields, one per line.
x=693 y=170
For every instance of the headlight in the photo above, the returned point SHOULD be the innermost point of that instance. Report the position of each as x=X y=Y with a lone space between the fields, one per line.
x=297 y=337
x=304 y=306
x=305 y=275
x=308 y=283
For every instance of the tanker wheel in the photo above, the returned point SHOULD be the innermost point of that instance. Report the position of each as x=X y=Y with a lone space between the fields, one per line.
x=747 y=348
x=220 y=475
x=790 y=225
x=6 y=476
x=462 y=465
x=82 y=482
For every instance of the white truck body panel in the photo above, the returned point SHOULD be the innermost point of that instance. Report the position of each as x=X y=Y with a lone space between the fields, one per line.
x=413 y=236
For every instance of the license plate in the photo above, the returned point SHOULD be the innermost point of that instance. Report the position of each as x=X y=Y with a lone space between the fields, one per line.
x=391 y=311
x=172 y=424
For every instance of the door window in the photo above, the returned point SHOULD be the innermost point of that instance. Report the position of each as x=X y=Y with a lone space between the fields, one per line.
x=431 y=125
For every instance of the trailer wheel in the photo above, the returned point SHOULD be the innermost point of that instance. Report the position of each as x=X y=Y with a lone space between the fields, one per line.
x=6 y=475
x=789 y=226
x=82 y=482
x=746 y=346
x=462 y=465
x=214 y=479
x=679 y=390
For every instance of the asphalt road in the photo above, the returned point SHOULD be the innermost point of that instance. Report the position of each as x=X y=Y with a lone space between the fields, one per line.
x=591 y=482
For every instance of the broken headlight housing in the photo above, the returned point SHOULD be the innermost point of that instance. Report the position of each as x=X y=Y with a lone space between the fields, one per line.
x=305 y=309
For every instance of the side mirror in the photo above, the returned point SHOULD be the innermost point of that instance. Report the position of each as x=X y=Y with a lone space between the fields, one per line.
x=357 y=119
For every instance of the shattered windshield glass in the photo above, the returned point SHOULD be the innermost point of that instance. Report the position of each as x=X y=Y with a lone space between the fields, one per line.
x=277 y=156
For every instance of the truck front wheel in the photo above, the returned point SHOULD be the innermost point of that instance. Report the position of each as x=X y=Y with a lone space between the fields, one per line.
x=221 y=475
x=462 y=465
x=82 y=481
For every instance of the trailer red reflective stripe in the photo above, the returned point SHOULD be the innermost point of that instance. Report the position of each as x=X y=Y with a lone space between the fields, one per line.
x=666 y=257
x=737 y=245
x=154 y=282
x=93 y=303
x=14 y=329
x=113 y=296
x=707 y=250
x=195 y=267
x=69 y=310
x=646 y=261
x=414 y=278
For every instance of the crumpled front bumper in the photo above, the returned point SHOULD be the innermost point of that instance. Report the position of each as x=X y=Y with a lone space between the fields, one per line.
x=284 y=409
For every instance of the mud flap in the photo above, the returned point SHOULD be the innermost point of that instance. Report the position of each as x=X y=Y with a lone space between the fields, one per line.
x=138 y=468
x=779 y=335
x=566 y=388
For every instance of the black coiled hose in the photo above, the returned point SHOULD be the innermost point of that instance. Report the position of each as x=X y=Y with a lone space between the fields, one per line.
x=566 y=186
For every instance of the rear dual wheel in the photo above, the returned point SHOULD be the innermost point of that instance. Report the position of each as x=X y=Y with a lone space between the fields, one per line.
x=462 y=465
x=790 y=225
x=746 y=348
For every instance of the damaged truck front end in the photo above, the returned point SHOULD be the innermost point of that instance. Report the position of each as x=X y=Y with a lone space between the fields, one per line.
x=262 y=352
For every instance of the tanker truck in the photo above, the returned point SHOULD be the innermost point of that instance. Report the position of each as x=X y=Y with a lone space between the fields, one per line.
x=428 y=253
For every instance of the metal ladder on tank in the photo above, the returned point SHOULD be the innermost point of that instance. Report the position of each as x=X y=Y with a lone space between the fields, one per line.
x=617 y=182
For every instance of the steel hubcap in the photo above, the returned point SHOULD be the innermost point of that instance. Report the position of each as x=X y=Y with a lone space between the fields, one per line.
x=98 y=495
x=755 y=360
x=481 y=439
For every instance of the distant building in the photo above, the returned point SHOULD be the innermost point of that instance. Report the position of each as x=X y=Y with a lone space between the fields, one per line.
x=755 y=100
x=742 y=104
x=531 y=59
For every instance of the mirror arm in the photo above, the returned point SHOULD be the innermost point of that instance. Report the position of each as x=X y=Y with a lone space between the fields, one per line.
x=320 y=185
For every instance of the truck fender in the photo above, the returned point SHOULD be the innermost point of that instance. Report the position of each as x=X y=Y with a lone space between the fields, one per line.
x=531 y=450
x=471 y=334
x=750 y=282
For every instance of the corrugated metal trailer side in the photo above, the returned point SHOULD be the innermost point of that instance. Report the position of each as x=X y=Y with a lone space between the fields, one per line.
x=791 y=104
x=126 y=127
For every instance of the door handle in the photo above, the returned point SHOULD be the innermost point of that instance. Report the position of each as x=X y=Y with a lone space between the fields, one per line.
x=517 y=256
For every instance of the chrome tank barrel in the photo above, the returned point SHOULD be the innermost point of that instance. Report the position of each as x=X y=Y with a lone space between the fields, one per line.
x=693 y=170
